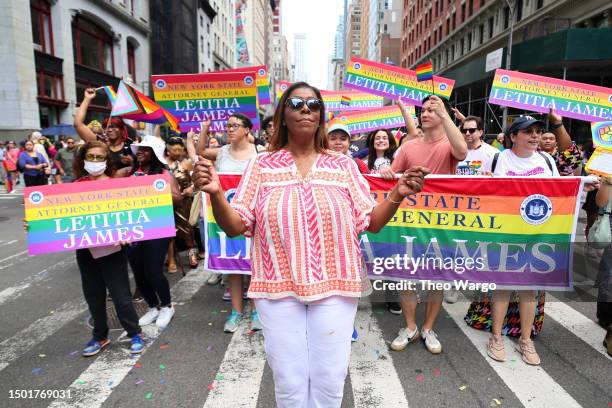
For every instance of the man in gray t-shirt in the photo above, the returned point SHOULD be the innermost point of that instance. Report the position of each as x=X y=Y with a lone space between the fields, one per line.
x=64 y=159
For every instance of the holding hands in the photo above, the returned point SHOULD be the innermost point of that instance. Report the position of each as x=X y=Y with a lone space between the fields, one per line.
x=412 y=181
x=205 y=177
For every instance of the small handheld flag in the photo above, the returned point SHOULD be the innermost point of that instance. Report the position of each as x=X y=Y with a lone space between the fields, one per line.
x=110 y=93
x=424 y=71
x=345 y=100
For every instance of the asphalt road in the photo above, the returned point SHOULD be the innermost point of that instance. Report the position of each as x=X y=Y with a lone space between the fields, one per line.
x=194 y=364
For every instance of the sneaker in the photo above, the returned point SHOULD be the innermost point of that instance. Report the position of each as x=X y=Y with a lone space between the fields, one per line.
x=608 y=340
x=214 y=279
x=94 y=346
x=496 y=349
x=431 y=341
x=226 y=295
x=149 y=317
x=355 y=335
x=231 y=324
x=165 y=315
x=137 y=344
x=404 y=337
x=255 y=322
x=394 y=308
x=451 y=296
x=528 y=351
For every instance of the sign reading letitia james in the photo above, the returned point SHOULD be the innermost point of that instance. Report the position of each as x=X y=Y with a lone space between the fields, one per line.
x=66 y=217
x=541 y=94
x=194 y=98
x=393 y=82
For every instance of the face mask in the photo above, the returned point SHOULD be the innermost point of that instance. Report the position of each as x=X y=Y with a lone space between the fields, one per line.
x=95 y=168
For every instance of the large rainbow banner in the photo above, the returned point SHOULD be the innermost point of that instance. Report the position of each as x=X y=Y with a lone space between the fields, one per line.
x=66 y=217
x=387 y=117
x=194 y=98
x=393 y=82
x=263 y=81
x=514 y=232
x=340 y=101
x=541 y=94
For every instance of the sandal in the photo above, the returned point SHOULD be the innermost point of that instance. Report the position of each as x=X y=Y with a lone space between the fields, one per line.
x=193 y=258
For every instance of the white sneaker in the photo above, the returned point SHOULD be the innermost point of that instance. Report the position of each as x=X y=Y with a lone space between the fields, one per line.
x=149 y=317
x=451 y=295
x=165 y=315
x=404 y=337
x=431 y=341
x=214 y=279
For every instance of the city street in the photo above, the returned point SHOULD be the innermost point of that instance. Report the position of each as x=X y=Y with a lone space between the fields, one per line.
x=194 y=364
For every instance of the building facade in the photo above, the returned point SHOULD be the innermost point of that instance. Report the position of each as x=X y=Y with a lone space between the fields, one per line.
x=352 y=42
x=556 y=38
x=254 y=20
x=279 y=66
x=300 y=51
x=368 y=9
x=53 y=50
x=388 y=38
x=206 y=20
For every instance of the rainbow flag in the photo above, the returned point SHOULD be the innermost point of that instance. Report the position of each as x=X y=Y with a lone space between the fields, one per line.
x=393 y=82
x=387 y=117
x=66 y=217
x=110 y=93
x=345 y=100
x=514 y=232
x=424 y=71
x=193 y=98
x=263 y=81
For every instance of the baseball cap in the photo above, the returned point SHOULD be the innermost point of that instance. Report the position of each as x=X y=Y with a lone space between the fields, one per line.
x=339 y=126
x=523 y=122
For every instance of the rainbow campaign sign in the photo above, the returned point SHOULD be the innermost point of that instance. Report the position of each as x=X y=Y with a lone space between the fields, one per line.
x=393 y=82
x=194 y=98
x=541 y=94
x=263 y=81
x=514 y=232
x=387 y=117
x=66 y=217
x=348 y=100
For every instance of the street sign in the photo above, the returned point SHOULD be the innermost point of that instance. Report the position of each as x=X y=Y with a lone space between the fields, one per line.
x=494 y=59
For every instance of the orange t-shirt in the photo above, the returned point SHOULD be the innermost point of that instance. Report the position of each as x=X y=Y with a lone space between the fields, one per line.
x=436 y=156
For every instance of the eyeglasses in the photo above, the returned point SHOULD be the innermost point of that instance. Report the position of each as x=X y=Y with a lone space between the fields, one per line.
x=296 y=103
x=95 y=157
x=469 y=130
x=234 y=126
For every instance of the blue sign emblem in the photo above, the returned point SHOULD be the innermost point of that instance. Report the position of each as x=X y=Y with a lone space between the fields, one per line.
x=160 y=83
x=229 y=194
x=536 y=209
x=159 y=185
x=442 y=87
x=357 y=65
x=36 y=197
x=248 y=80
x=505 y=79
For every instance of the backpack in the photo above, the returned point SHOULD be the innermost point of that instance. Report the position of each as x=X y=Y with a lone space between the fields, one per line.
x=496 y=156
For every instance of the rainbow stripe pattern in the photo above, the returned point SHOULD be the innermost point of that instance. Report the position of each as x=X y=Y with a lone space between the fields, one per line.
x=523 y=226
x=541 y=94
x=91 y=214
x=602 y=134
x=424 y=71
x=263 y=81
x=387 y=117
x=393 y=82
x=148 y=111
x=193 y=98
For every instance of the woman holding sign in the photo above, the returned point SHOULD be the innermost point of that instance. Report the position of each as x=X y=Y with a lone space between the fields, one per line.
x=295 y=201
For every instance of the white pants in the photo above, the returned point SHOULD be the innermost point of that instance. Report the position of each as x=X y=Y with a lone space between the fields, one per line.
x=308 y=346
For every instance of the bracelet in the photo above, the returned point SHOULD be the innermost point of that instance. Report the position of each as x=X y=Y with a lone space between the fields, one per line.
x=554 y=126
x=393 y=201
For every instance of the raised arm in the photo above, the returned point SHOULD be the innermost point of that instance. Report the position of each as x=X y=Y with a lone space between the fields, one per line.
x=83 y=131
x=190 y=146
x=408 y=119
x=564 y=141
x=457 y=142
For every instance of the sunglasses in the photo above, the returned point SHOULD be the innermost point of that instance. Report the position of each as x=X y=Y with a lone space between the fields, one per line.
x=233 y=126
x=469 y=130
x=95 y=157
x=296 y=103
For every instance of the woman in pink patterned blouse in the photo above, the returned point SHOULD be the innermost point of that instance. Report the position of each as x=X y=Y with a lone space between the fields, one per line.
x=304 y=207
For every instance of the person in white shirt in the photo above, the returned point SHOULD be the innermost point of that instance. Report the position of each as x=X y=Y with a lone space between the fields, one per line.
x=478 y=152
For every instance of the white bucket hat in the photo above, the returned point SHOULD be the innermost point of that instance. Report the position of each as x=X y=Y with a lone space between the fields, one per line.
x=154 y=143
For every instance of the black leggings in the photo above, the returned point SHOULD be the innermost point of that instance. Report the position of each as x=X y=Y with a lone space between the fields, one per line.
x=38 y=180
x=108 y=272
x=147 y=262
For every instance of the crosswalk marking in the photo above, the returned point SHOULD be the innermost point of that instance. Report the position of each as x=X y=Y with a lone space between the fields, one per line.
x=373 y=376
x=13 y=292
x=13 y=256
x=115 y=364
x=14 y=347
x=7 y=243
x=531 y=385
x=242 y=369
x=584 y=328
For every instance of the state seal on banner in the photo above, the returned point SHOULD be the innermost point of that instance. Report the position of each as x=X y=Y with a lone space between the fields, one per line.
x=536 y=209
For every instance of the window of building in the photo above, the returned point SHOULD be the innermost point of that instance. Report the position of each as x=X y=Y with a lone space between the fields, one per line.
x=469 y=42
x=207 y=28
x=42 y=33
x=470 y=7
x=50 y=86
x=447 y=25
x=506 y=17
x=452 y=52
x=519 y=9
x=481 y=34
x=462 y=46
x=539 y=4
x=93 y=46
x=490 y=27
x=453 y=20
x=131 y=53
x=463 y=16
